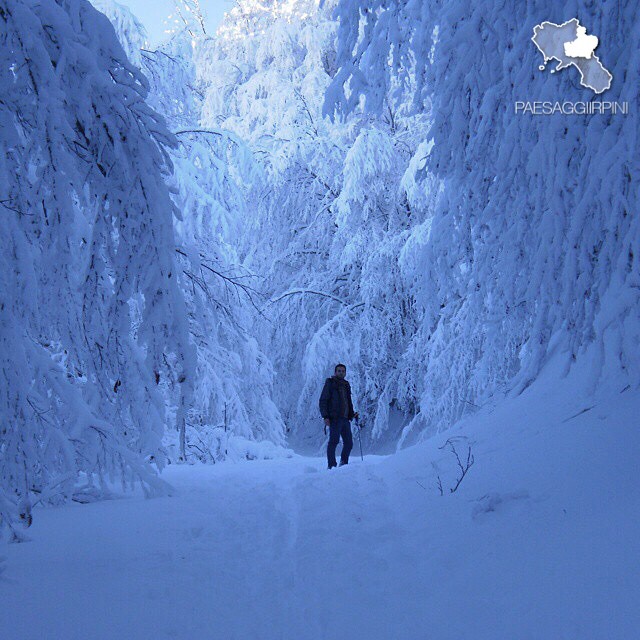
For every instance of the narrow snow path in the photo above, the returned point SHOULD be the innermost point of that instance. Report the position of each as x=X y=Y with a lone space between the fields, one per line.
x=542 y=540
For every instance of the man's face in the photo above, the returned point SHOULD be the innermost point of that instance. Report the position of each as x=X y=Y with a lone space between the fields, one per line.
x=341 y=372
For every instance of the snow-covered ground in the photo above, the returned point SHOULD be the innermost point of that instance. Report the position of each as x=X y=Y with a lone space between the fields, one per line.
x=541 y=541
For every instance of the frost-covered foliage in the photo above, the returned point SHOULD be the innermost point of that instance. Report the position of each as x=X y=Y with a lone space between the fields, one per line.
x=534 y=242
x=233 y=377
x=330 y=218
x=90 y=306
x=438 y=255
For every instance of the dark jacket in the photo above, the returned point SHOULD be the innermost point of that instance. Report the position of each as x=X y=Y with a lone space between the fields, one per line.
x=334 y=403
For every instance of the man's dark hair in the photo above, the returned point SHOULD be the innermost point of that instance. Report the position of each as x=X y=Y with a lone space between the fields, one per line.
x=339 y=365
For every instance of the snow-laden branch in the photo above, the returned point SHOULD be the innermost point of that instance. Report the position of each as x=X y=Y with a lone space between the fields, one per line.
x=294 y=292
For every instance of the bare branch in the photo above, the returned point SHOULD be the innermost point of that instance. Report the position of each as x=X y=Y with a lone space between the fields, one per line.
x=310 y=291
x=235 y=281
x=209 y=131
x=323 y=294
x=464 y=467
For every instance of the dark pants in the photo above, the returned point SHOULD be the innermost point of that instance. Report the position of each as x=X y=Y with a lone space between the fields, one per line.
x=337 y=428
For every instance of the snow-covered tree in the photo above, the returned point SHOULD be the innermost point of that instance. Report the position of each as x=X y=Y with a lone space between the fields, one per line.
x=532 y=246
x=330 y=217
x=90 y=304
x=130 y=31
x=232 y=395
x=411 y=243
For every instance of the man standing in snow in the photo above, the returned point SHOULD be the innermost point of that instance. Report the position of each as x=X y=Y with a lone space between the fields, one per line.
x=336 y=408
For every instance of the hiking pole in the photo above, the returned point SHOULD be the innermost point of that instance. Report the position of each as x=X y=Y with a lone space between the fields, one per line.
x=359 y=436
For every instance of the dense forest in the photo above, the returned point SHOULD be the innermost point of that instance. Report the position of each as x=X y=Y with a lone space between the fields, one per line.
x=194 y=235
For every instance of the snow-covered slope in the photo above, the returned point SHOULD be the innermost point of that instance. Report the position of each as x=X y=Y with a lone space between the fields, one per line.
x=541 y=540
